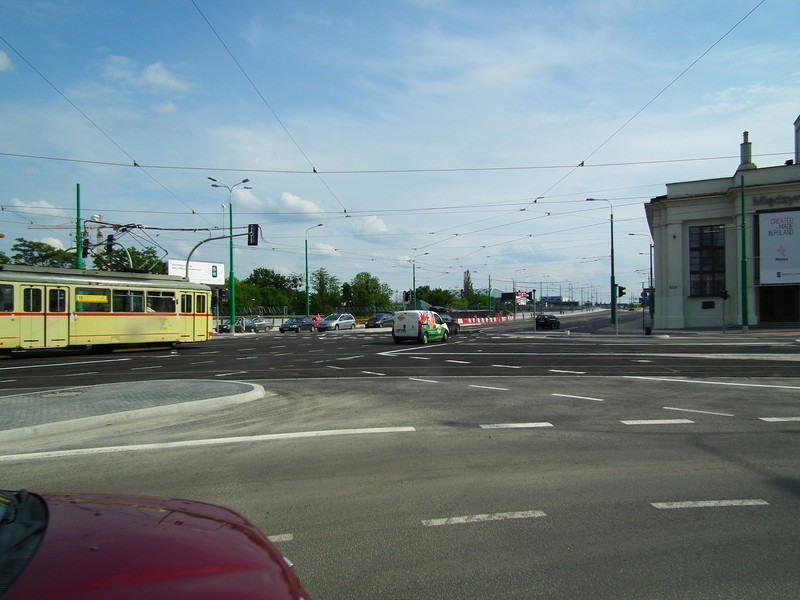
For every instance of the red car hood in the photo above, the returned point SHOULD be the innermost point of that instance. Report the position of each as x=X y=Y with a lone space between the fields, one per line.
x=144 y=548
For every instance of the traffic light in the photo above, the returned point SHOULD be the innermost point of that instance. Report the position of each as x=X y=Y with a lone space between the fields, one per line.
x=85 y=247
x=252 y=234
x=620 y=291
x=406 y=296
x=110 y=244
x=531 y=295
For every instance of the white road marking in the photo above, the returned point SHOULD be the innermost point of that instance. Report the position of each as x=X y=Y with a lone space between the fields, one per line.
x=779 y=419
x=202 y=362
x=516 y=425
x=7 y=380
x=229 y=373
x=507 y=366
x=422 y=380
x=569 y=372
x=702 y=412
x=657 y=422
x=487 y=387
x=710 y=503
x=351 y=357
x=524 y=514
x=458 y=362
x=419 y=357
x=247 y=358
x=145 y=368
x=246 y=439
x=579 y=397
x=283 y=537
x=49 y=365
x=729 y=383
x=81 y=374
x=335 y=367
x=373 y=373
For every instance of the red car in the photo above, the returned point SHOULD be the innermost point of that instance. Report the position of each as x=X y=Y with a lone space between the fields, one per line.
x=93 y=546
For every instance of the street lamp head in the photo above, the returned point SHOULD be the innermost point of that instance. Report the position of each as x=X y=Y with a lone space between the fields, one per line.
x=217 y=185
x=244 y=181
x=212 y=179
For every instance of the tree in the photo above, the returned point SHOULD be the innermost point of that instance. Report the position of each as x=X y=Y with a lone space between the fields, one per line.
x=468 y=291
x=436 y=296
x=40 y=254
x=274 y=290
x=367 y=293
x=4 y=260
x=130 y=260
x=327 y=294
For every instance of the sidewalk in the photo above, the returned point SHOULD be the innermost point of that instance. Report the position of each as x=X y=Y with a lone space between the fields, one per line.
x=68 y=409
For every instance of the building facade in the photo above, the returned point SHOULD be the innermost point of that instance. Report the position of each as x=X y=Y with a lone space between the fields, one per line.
x=727 y=250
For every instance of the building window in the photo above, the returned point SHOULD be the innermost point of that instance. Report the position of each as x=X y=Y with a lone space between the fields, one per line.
x=706 y=260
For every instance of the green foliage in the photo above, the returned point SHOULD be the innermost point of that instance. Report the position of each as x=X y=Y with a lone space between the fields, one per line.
x=435 y=296
x=4 y=260
x=271 y=289
x=130 y=260
x=328 y=295
x=40 y=254
x=367 y=292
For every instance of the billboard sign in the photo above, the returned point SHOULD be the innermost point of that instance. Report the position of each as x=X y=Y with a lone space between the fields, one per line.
x=780 y=247
x=199 y=272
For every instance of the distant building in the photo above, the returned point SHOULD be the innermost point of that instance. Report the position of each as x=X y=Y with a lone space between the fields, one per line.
x=700 y=254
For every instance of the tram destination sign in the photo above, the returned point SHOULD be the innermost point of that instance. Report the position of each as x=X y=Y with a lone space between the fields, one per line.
x=199 y=272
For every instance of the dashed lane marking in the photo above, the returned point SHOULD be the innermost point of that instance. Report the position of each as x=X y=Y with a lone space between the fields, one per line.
x=779 y=419
x=373 y=373
x=579 y=397
x=422 y=380
x=657 y=422
x=507 y=366
x=567 y=372
x=282 y=537
x=516 y=425
x=702 y=412
x=458 y=362
x=710 y=503
x=524 y=514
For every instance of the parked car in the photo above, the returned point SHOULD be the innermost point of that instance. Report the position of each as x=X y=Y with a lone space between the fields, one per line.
x=453 y=326
x=380 y=319
x=262 y=323
x=242 y=325
x=337 y=321
x=419 y=325
x=126 y=547
x=297 y=324
x=547 y=322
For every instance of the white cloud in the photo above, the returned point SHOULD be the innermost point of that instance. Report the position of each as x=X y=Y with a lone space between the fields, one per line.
x=55 y=243
x=165 y=107
x=155 y=76
x=5 y=62
x=368 y=225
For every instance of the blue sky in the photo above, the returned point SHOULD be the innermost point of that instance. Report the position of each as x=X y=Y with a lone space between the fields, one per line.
x=432 y=125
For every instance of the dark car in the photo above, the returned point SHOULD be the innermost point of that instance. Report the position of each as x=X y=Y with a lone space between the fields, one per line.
x=382 y=319
x=547 y=322
x=297 y=324
x=242 y=325
x=87 y=546
x=453 y=326
x=337 y=321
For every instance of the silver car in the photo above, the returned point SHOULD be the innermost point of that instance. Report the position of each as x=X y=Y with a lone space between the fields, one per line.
x=337 y=321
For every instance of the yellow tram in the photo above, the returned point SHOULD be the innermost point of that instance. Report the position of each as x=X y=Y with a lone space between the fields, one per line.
x=44 y=307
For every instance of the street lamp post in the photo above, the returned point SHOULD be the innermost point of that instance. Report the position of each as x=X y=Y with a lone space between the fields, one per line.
x=308 y=310
x=613 y=279
x=232 y=280
x=414 y=276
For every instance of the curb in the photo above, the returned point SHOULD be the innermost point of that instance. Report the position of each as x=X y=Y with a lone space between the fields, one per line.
x=181 y=408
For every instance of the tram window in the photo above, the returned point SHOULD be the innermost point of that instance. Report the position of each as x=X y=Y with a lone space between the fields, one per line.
x=32 y=300
x=186 y=303
x=6 y=298
x=201 y=305
x=92 y=300
x=131 y=301
x=161 y=302
x=57 y=301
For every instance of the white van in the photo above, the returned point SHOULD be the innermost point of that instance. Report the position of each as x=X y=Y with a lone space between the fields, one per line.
x=419 y=325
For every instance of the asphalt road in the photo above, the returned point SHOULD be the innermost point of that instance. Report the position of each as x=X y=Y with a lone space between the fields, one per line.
x=503 y=464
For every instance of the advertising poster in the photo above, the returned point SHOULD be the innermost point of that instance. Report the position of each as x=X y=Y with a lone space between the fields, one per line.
x=780 y=247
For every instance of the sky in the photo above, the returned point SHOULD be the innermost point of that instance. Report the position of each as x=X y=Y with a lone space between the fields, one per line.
x=427 y=137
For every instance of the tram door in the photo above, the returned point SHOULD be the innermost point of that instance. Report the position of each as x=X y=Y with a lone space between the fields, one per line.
x=44 y=322
x=194 y=309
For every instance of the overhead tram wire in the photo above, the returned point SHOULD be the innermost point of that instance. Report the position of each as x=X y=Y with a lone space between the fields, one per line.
x=133 y=161
x=269 y=107
x=654 y=98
